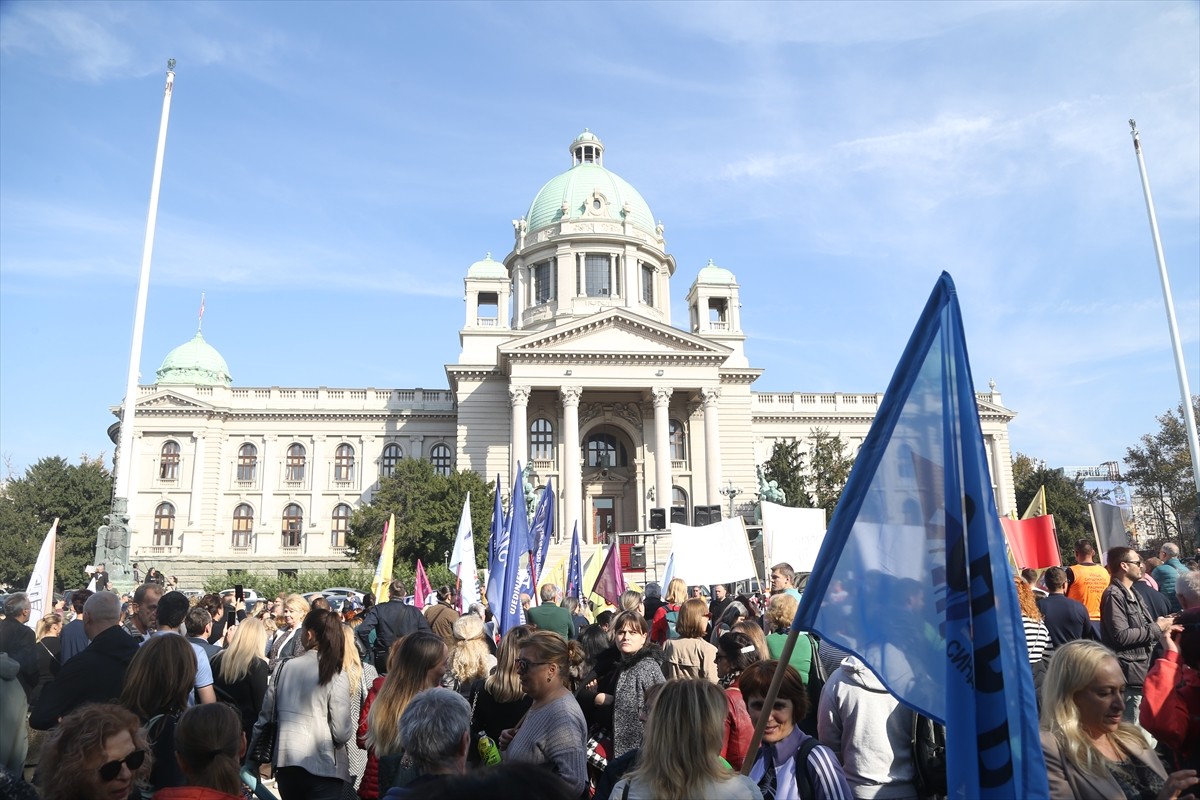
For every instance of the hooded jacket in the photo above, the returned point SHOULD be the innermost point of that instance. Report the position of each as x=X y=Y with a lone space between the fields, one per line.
x=870 y=732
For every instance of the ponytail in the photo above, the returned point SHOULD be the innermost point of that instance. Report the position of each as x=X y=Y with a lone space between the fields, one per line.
x=210 y=743
x=327 y=638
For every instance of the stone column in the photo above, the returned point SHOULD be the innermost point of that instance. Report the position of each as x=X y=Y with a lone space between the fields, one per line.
x=518 y=452
x=572 y=477
x=662 y=446
x=711 y=398
x=197 y=490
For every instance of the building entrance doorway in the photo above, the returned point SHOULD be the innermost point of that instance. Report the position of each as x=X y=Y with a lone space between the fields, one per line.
x=604 y=519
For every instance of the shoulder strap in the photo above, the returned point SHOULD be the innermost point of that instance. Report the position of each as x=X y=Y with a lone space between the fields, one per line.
x=625 y=791
x=803 y=780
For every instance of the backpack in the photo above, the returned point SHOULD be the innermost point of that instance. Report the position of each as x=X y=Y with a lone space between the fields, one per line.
x=929 y=757
x=803 y=782
x=672 y=618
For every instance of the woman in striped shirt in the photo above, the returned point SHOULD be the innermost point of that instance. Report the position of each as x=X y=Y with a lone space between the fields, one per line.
x=1037 y=636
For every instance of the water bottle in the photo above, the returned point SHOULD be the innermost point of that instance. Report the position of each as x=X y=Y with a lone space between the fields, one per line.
x=488 y=751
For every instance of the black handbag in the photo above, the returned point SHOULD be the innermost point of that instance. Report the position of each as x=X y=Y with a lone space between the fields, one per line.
x=263 y=751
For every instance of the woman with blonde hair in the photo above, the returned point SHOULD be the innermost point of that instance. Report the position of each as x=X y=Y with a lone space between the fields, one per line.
x=1037 y=635
x=360 y=676
x=553 y=733
x=289 y=640
x=781 y=610
x=692 y=712
x=48 y=649
x=497 y=701
x=1090 y=751
x=240 y=671
x=632 y=600
x=690 y=656
x=755 y=632
x=663 y=625
x=470 y=658
x=99 y=752
x=415 y=663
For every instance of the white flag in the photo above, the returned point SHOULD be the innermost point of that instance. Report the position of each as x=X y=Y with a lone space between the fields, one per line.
x=41 y=582
x=792 y=535
x=718 y=553
x=462 y=560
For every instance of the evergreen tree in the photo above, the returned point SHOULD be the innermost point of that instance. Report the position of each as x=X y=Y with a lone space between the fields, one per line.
x=1066 y=498
x=786 y=468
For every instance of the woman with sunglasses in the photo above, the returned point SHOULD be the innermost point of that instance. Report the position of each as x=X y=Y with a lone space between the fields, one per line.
x=98 y=752
x=209 y=746
x=553 y=732
x=498 y=701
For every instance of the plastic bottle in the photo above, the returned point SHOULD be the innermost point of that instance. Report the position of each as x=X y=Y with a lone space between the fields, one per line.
x=488 y=751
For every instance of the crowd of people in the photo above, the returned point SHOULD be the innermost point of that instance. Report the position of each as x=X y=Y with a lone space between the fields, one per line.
x=657 y=697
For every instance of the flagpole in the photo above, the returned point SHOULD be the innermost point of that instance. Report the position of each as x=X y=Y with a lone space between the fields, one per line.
x=112 y=545
x=785 y=659
x=1189 y=418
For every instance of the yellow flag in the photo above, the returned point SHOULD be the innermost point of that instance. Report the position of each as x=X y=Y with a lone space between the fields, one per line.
x=381 y=586
x=1037 y=506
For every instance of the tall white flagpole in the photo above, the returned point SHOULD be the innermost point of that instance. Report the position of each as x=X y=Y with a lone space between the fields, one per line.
x=1189 y=417
x=115 y=540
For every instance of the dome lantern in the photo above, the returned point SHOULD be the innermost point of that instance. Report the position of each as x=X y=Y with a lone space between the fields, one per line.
x=587 y=149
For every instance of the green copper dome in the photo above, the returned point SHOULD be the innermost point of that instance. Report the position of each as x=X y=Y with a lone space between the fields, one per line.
x=577 y=188
x=196 y=363
x=711 y=273
x=487 y=268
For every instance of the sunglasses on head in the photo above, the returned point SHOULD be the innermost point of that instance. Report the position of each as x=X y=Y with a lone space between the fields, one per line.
x=112 y=769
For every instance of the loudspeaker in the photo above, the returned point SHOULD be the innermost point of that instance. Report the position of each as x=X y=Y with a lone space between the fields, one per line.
x=637 y=557
x=679 y=514
x=701 y=516
x=658 y=519
x=714 y=514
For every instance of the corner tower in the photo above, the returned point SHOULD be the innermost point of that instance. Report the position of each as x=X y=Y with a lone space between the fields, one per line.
x=588 y=243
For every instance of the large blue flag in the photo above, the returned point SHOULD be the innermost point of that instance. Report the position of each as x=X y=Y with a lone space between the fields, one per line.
x=497 y=555
x=916 y=543
x=543 y=528
x=574 y=587
x=516 y=565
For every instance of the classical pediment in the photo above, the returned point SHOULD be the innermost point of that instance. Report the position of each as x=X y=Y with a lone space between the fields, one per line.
x=614 y=334
x=166 y=400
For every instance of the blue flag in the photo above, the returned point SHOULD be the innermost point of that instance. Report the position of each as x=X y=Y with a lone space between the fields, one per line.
x=497 y=556
x=574 y=587
x=516 y=565
x=543 y=527
x=916 y=543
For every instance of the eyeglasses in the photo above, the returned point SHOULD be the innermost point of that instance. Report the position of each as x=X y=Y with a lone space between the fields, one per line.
x=1138 y=562
x=524 y=664
x=112 y=769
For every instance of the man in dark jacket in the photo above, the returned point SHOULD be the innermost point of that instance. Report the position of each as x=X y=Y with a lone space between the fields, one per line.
x=1066 y=619
x=389 y=622
x=17 y=639
x=96 y=674
x=1127 y=626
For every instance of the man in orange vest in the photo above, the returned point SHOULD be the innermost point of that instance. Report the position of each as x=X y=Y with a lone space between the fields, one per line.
x=1087 y=580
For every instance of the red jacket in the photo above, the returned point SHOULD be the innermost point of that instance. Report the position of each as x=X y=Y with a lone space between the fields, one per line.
x=658 y=629
x=368 y=787
x=739 y=729
x=1171 y=705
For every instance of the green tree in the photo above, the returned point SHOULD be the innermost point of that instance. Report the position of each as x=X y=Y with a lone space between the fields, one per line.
x=1160 y=470
x=829 y=466
x=78 y=494
x=786 y=468
x=1067 y=499
x=427 y=506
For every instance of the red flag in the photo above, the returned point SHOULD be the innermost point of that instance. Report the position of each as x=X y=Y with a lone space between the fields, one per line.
x=610 y=584
x=422 y=590
x=1033 y=542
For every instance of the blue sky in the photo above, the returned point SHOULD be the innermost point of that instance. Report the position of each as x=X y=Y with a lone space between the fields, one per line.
x=333 y=169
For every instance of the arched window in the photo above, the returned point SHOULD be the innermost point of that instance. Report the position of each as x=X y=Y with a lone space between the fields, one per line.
x=164 y=524
x=541 y=440
x=247 y=462
x=679 y=497
x=678 y=436
x=168 y=465
x=243 y=524
x=293 y=525
x=296 y=460
x=604 y=450
x=343 y=463
x=340 y=525
x=391 y=457
x=439 y=456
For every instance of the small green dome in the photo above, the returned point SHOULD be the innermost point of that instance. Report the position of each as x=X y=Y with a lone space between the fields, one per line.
x=196 y=363
x=487 y=268
x=711 y=273
x=577 y=187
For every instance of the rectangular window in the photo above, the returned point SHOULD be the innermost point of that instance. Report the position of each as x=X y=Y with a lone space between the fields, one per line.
x=597 y=276
x=543 y=286
x=647 y=284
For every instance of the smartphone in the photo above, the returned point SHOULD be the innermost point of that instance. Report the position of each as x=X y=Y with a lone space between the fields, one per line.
x=239 y=593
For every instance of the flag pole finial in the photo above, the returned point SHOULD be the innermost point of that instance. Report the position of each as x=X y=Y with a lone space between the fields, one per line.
x=200 y=316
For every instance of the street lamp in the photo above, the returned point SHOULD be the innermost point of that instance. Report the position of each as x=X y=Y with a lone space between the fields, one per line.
x=731 y=492
x=446 y=554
